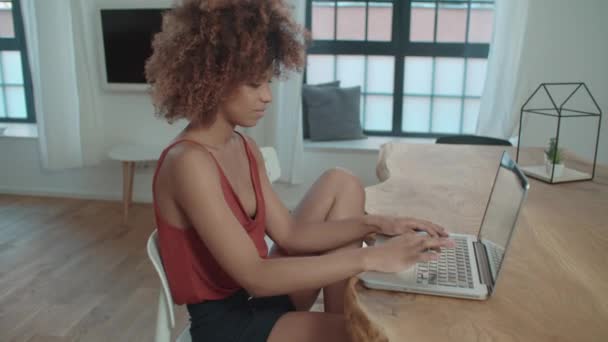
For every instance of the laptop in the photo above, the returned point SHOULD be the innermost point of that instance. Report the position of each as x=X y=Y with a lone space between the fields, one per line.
x=471 y=268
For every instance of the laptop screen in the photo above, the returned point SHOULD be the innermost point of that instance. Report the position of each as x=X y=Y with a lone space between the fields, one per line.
x=506 y=198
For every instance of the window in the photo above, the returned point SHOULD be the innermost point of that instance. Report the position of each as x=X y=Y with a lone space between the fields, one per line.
x=421 y=64
x=16 y=103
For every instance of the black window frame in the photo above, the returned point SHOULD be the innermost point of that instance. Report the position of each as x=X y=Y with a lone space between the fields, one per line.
x=399 y=48
x=18 y=43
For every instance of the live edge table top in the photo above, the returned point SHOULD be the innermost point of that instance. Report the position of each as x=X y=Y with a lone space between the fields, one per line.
x=554 y=281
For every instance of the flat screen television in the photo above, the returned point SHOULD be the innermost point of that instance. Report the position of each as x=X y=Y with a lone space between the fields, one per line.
x=127 y=36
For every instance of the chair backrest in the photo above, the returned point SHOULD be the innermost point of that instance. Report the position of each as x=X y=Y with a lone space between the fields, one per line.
x=158 y=266
x=472 y=140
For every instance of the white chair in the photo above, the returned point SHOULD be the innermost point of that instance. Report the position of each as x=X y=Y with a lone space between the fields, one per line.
x=165 y=317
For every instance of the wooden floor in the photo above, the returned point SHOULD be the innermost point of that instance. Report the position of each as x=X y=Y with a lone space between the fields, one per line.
x=71 y=271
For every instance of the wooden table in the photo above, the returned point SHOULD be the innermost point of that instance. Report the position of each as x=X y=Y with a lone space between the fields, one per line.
x=129 y=155
x=554 y=281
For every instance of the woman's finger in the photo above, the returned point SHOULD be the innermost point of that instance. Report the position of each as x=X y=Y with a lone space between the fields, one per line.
x=428 y=256
x=440 y=230
x=434 y=243
x=430 y=230
x=437 y=229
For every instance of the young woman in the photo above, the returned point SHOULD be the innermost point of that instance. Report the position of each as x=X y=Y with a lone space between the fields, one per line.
x=212 y=65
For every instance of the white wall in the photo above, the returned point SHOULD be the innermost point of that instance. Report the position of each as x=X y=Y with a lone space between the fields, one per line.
x=127 y=116
x=121 y=117
x=566 y=42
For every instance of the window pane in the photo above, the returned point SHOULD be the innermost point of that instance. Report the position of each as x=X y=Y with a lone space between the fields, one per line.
x=481 y=23
x=351 y=21
x=379 y=21
x=416 y=114
x=446 y=115
x=11 y=67
x=448 y=76
x=323 y=20
x=422 y=22
x=7 y=29
x=15 y=102
x=351 y=70
x=418 y=75
x=451 y=23
x=476 y=76
x=319 y=69
x=470 y=115
x=2 y=105
x=378 y=113
x=362 y=110
x=380 y=74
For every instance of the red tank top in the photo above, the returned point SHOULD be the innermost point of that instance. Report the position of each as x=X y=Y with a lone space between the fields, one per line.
x=192 y=272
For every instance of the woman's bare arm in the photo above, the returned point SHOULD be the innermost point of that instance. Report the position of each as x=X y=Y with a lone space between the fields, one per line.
x=197 y=189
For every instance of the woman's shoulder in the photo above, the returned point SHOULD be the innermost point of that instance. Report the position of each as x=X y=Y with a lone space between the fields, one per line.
x=188 y=158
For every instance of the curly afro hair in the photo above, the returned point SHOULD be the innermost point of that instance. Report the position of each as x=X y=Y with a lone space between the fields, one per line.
x=207 y=48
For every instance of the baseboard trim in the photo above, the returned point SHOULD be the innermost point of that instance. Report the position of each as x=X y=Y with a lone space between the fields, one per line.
x=108 y=196
x=50 y=192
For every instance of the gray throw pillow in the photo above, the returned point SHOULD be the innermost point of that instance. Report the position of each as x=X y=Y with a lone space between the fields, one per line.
x=333 y=113
x=305 y=127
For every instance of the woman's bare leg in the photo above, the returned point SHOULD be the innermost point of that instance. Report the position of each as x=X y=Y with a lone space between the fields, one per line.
x=309 y=327
x=337 y=194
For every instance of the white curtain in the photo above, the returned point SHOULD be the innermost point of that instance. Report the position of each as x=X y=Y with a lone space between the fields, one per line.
x=91 y=123
x=498 y=112
x=63 y=105
x=282 y=126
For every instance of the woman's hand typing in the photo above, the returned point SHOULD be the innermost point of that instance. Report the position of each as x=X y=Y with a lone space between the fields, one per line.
x=389 y=225
x=403 y=251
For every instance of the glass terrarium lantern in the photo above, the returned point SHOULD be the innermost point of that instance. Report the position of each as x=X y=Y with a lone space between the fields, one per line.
x=559 y=130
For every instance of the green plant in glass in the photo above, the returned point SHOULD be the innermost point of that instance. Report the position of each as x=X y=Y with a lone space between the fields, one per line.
x=554 y=161
x=554 y=154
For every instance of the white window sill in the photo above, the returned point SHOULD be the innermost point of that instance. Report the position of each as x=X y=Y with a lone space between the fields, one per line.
x=19 y=130
x=371 y=144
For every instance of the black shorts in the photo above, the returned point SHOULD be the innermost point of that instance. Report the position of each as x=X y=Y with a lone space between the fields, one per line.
x=237 y=318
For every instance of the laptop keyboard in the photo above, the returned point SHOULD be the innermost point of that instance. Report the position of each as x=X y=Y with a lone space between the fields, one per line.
x=452 y=269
